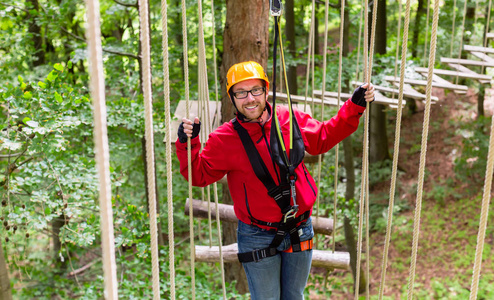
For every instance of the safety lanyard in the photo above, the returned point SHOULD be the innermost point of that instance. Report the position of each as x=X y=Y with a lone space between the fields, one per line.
x=296 y=144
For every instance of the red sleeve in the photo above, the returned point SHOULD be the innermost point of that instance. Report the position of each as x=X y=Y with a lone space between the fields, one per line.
x=320 y=137
x=207 y=166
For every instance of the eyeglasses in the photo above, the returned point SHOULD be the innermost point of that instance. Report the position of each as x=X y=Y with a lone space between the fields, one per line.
x=258 y=91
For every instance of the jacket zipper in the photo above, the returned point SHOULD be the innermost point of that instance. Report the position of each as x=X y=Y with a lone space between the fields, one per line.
x=307 y=178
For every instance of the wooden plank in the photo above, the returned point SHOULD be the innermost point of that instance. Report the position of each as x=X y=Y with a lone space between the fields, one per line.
x=320 y=258
x=411 y=93
x=467 y=62
x=490 y=35
x=380 y=98
x=200 y=209
x=464 y=74
x=446 y=85
x=467 y=70
x=478 y=49
x=409 y=89
x=483 y=56
x=438 y=79
x=301 y=99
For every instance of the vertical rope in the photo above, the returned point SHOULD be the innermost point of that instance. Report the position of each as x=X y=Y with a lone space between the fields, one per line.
x=215 y=64
x=425 y=133
x=396 y=151
x=398 y=33
x=97 y=87
x=309 y=52
x=364 y=155
x=168 y=143
x=324 y=64
x=340 y=59
x=189 y=159
x=358 y=43
x=487 y=25
x=462 y=34
x=483 y=216
x=453 y=29
x=426 y=32
x=148 y=117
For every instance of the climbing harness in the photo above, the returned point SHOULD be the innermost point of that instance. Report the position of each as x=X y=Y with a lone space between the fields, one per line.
x=285 y=193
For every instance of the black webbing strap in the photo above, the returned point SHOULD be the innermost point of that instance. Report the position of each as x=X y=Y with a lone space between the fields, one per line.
x=281 y=194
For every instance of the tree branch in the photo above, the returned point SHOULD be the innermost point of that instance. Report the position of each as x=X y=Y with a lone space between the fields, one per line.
x=126 y=4
x=20 y=8
x=104 y=50
x=10 y=155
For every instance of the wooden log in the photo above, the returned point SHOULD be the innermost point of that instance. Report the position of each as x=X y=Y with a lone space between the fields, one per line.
x=467 y=62
x=320 y=258
x=380 y=98
x=412 y=94
x=411 y=91
x=483 y=56
x=443 y=85
x=200 y=208
x=470 y=74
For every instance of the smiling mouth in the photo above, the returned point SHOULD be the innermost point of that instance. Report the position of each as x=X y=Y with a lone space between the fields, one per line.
x=251 y=107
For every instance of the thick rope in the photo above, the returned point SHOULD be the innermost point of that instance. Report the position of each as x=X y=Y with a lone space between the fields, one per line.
x=364 y=156
x=324 y=64
x=309 y=52
x=189 y=158
x=204 y=94
x=358 y=43
x=398 y=33
x=483 y=217
x=396 y=151
x=336 y=165
x=453 y=29
x=462 y=34
x=426 y=31
x=97 y=87
x=425 y=133
x=168 y=143
x=148 y=117
x=215 y=64
x=487 y=29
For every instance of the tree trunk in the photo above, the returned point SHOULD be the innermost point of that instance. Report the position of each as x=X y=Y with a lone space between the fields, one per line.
x=5 y=290
x=417 y=27
x=35 y=31
x=378 y=137
x=56 y=225
x=292 y=47
x=246 y=37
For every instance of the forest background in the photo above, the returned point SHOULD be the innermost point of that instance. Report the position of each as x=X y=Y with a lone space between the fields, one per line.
x=50 y=233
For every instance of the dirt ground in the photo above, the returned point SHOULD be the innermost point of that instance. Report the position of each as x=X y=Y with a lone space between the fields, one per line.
x=440 y=167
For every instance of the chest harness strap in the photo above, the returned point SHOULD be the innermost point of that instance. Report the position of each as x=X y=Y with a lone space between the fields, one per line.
x=282 y=194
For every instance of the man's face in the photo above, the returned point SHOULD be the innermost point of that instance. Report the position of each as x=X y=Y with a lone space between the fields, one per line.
x=251 y=106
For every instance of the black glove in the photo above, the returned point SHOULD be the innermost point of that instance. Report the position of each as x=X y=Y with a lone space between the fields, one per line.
x=358 y=96
x=182 y=136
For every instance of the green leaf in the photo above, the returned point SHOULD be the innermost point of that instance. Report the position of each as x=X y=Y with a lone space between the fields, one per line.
x=47 y=211
x=69 y=64
x=41 y=84
x=32 y=124
x=27 y=95
x=58 y=67
x=52 y=76
x=58 y=97
x=21 y=80
x=26 y=119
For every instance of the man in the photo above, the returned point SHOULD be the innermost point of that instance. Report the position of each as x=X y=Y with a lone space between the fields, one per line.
x=273 y=202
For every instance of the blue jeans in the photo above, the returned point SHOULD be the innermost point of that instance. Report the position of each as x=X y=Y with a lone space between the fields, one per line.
x=282 y=276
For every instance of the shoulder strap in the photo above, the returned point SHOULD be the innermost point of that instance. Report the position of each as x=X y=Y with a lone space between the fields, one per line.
x=281 y=195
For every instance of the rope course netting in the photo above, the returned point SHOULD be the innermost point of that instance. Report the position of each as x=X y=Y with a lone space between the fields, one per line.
x=203 y=110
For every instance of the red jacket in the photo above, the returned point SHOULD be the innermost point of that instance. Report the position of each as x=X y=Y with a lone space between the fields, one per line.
x=224 y=154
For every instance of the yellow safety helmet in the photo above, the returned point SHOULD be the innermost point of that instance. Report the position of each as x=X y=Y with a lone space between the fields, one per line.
x=244 y=71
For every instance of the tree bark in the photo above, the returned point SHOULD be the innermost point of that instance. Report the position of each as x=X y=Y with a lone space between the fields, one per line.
x=246 y=37
x=417 y=27
x=56 y=225
x=5 y=290
x=292 y=47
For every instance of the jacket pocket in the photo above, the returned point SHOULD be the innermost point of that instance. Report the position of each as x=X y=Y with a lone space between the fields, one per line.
x=307 y=178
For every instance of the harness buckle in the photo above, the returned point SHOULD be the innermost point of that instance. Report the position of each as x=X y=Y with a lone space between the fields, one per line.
x=290 y=214
x=276 y=7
